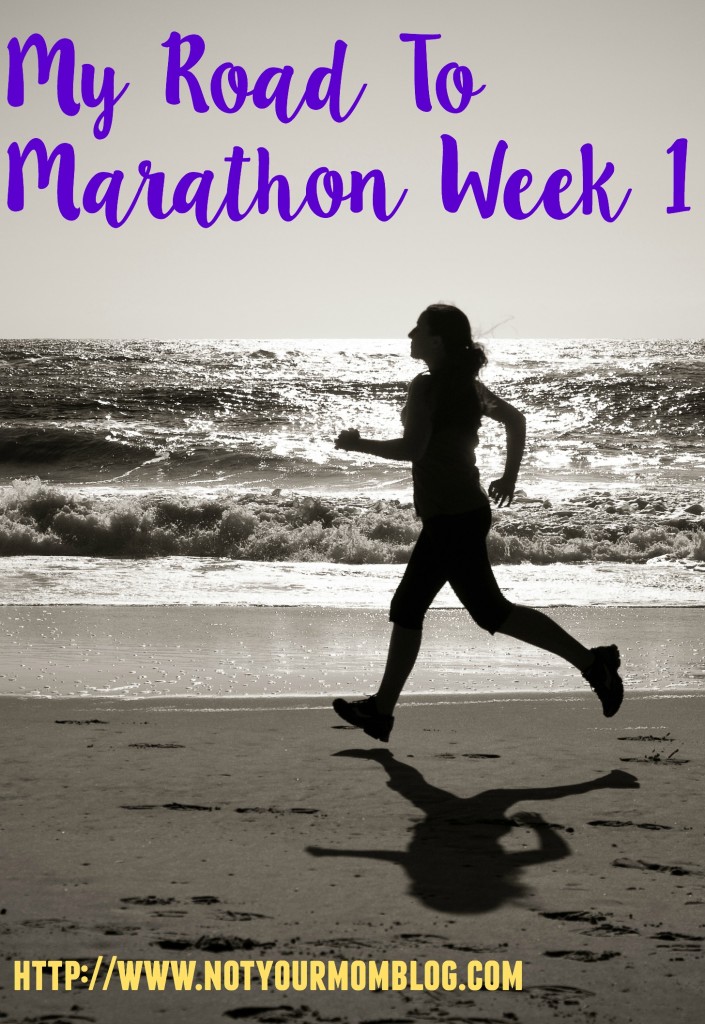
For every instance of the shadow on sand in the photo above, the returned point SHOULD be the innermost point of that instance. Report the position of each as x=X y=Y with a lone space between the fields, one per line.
x=455 y=861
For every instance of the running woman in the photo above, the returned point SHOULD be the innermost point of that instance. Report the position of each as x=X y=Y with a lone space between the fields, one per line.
x=441 y=420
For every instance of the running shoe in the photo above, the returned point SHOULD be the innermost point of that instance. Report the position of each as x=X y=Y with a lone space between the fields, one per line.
x=364 y=715
x=605 y=680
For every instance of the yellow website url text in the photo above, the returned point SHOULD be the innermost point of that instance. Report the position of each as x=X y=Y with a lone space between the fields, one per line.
x=263 y=975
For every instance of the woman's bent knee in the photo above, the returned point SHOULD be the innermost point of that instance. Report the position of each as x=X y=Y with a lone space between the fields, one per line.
x=492 y=617
x=406 y=620
x=403 y=614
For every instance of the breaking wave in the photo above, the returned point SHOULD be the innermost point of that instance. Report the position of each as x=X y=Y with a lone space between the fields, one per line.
x=43 y=519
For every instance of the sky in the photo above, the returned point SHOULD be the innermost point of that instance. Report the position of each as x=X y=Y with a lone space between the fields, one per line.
x=628 y=79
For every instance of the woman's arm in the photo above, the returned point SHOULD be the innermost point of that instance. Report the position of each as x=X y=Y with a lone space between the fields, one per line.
x=502 y=490
x=417 y=430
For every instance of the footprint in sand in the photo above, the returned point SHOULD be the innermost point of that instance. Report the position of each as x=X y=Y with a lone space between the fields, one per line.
x=148 y=901
x=51 y=1018
x=286 y=1013
x=167 y=807
x=597 y=920
x=79 y=721
x=558 y=996
x=280 y=1014
x=188 y=807
x=642 y=865
x=607 y=823
x=476 y=757
x=588 y=916
x=157 y=746
x=244 y=915
x=277 y=810
x=213 y=944
x=613 y=929
x=677 y=937
x=586 y=956
x=50 y=923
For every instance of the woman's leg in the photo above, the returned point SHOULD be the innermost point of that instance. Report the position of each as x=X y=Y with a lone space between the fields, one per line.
x=474 y=583
x=599 y=665
x=423 y=577
x=404 y=647
x=533 y=627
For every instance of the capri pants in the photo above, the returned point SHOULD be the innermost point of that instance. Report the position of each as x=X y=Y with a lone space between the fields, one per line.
x=451 y=549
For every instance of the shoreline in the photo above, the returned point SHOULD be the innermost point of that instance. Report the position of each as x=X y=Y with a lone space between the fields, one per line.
x=299 y=653
x=261 y=606
x=190 y=581
x=320 y=702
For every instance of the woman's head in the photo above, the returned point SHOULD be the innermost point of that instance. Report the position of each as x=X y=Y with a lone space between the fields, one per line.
x=443 y=339
x=452 y=326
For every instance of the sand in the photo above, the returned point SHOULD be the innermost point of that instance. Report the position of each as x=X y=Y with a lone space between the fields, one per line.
x=210 y=651
x=506 y=827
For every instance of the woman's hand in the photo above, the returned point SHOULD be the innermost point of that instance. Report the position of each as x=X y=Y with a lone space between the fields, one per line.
x=348 y=440
x=502 y=491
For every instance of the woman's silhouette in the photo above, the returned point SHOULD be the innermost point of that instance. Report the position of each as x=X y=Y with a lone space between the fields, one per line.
x=441 y=419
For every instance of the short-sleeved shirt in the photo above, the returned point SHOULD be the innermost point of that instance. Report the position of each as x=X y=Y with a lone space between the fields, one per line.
x=446 y=478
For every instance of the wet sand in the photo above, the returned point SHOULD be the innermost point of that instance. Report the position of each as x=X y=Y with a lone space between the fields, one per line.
x=506 y=828
x=89 y=650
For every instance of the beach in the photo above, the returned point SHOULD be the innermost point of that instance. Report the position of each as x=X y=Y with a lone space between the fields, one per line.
x=153 y=831
x=499 y=826
x=244 y=652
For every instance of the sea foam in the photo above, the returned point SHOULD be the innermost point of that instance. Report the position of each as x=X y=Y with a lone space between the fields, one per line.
x=37 y=518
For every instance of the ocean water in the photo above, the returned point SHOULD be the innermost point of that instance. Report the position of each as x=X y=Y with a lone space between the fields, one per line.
x=204 y=472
